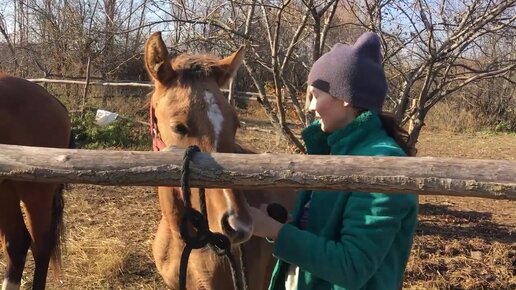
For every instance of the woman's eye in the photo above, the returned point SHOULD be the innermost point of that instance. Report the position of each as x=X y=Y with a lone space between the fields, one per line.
x=180 y=129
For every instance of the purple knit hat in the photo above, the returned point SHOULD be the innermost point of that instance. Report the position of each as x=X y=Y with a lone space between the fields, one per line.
x=353 y=73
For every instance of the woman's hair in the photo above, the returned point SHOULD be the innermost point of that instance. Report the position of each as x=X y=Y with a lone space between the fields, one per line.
x=395 y=131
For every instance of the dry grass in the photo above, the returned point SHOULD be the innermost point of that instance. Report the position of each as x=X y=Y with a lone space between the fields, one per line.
x=94 y=256
x=109 y=234
x=464 y=243
x=461 y=243
x=443 y=117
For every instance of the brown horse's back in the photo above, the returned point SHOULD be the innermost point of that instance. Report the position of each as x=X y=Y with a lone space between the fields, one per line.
x=30 y=116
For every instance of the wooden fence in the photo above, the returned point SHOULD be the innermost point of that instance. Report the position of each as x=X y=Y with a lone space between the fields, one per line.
x=422 y=175
x=238 y=94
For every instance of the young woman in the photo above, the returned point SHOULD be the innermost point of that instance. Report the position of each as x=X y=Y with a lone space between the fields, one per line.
x=346 y=240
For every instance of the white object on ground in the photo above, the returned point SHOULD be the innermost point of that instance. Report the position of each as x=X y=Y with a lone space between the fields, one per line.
x=104 y=118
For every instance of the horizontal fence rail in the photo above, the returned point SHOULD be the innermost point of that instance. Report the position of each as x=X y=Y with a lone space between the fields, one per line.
x=422 y=175
x=93 y=83
x=243 y=95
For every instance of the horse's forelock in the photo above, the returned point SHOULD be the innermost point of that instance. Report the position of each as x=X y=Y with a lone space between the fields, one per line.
x=194 y=67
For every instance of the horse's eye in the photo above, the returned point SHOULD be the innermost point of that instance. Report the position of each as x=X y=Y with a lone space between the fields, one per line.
x=180 y=129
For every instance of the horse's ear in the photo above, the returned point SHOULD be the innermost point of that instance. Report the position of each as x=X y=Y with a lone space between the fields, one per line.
x=226 y=68
x=157 y=60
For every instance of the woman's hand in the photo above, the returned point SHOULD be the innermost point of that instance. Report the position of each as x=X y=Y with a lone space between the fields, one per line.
x=264 y=225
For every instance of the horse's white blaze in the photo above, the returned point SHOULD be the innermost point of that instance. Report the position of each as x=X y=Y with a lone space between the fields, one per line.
x=6 y=285
x=215 y=116
x=233 y=220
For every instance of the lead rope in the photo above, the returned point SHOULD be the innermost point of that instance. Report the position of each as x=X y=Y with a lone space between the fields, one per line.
x=203 y=236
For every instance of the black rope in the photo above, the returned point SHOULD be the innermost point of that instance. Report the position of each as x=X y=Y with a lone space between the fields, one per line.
x=203 y=236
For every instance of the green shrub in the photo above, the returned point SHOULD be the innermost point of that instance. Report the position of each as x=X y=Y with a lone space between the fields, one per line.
x=119 y=134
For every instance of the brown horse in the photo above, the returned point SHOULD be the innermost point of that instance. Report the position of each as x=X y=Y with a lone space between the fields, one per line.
x=188 y=108
x=30 y=116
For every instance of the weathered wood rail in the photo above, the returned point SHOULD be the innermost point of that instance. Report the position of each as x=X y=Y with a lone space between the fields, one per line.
x=422 y=175
x=238 y=94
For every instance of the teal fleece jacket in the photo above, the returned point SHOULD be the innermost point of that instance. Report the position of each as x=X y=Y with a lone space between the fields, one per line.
x=353 y=240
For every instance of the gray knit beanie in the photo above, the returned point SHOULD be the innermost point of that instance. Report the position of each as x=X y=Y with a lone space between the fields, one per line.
x=352 y=73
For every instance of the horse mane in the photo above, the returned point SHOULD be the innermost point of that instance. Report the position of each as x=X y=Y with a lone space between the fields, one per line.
x=194 y=67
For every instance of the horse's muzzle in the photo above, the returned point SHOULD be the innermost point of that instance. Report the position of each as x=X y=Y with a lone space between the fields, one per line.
x=236 y=228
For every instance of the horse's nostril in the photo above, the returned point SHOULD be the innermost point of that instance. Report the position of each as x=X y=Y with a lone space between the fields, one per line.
x=236 y=229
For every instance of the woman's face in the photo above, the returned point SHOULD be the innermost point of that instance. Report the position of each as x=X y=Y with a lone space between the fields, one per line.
x=332 y=112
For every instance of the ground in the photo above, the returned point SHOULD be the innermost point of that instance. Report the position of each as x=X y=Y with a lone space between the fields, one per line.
x=461 y=243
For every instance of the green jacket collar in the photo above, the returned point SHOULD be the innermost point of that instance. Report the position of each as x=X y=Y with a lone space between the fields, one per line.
x=343 y=140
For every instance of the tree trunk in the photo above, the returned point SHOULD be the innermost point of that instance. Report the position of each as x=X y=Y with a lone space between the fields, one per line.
x=86 y=87
x=316 y=53
x=416 y=124
x=264 y=101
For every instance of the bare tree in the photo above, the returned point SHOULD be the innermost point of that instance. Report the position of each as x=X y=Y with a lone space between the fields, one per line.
x=9 y=42
x=434 y=55
x=286 y=27
x=432 y=49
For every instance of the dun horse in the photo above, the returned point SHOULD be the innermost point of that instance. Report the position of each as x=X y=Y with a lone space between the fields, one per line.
x=188 y=108
x=30 y=116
